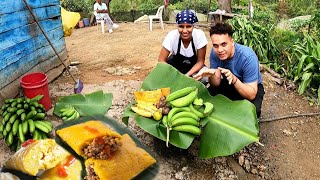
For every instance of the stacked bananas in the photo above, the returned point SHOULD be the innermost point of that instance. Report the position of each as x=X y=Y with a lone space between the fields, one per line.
x=23 y=119
x=187 y=110
x=69 y=113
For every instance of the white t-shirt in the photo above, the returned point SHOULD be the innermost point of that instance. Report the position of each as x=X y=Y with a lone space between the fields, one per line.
x=172 y=39
x=96 y=6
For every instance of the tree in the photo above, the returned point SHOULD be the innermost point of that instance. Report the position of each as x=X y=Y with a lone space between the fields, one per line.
x=225 y=5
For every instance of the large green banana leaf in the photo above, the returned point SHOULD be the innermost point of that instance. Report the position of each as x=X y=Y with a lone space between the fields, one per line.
x=231 y=126
x=149 y=173
x=96 y=103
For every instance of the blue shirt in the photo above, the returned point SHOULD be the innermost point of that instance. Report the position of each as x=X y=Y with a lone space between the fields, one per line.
x=244 y=64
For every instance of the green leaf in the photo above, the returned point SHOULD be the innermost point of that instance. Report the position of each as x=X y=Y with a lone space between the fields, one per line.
x=301 y=62
x=309 y=66
x=306 y=79
x=96 y=103
x=237 y=118
x=147 y=174
x=231 y=127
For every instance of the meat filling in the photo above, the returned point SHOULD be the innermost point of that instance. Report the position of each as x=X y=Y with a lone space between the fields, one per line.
x=102 y=147
x=91 y=175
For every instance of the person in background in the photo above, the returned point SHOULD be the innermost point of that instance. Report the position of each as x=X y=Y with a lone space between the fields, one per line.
x=101 y=12
x=186 y=44
x=165 y=3
x=234 y=68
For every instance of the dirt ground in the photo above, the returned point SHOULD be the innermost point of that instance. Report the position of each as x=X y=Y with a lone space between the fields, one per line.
x=117 y=63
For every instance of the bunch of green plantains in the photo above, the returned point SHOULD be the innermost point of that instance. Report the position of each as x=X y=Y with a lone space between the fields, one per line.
x=187 y=110
x=23 y=119
x=69 y=113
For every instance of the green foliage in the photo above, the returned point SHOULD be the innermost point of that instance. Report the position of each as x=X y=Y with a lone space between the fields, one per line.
x=300 y=25
x=119 y=6
x=84 y=7
x=96 y=103
x=300 y=8
x=199 y=6
x=256 y=36
x=315 y=24
x=150 y=6
x=305 y=65
x=139 y=5
x=264 y=15
x=284 y=39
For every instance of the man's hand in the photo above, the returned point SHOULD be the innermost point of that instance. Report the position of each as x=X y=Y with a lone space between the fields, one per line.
x=204 y=73
x=230 y=77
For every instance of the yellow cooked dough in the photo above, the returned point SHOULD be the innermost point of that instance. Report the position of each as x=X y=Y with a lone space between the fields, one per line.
x=80 y=135
x=127 y=162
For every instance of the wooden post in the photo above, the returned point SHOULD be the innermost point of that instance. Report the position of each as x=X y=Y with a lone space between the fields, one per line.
x=250 y=9
x=208 y=11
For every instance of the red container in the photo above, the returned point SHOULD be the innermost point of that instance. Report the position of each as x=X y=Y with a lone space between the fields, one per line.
x=34 y=84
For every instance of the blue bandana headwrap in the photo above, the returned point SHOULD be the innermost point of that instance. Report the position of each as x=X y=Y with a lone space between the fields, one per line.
x=186 y=16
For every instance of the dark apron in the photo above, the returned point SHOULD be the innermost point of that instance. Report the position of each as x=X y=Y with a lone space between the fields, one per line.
x=182 y=63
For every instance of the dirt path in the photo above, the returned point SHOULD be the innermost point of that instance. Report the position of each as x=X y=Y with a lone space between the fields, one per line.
x=117 y=63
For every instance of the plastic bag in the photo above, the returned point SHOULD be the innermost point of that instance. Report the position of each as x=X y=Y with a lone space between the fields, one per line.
x=69 y=21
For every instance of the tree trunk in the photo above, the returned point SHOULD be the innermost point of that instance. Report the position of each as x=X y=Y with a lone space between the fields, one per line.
x=225 y=5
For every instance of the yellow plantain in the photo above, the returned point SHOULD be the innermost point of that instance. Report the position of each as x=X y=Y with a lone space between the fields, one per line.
x=150 y=108
x=141 y=112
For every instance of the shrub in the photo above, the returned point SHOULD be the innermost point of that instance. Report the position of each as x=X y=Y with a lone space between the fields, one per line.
x=84 y=7
x=256 y=36
x=305 y=64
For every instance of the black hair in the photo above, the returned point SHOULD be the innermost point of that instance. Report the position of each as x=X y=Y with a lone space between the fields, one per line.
x=221 y=28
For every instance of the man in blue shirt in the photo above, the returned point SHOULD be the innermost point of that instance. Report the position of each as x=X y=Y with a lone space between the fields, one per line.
x=234 y=68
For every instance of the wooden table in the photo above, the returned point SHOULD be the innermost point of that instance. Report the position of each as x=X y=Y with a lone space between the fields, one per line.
x=220 y=16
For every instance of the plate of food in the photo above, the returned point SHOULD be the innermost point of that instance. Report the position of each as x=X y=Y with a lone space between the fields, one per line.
x=91 y=147
x=43 y=160
x=106 y=149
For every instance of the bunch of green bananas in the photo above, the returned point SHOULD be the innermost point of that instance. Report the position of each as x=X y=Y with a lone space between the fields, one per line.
x=23 y=119
x=187 y=110
x=69 y=113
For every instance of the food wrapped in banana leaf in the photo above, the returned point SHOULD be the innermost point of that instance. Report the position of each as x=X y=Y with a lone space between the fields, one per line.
x=92 y=139
x=127 y=162
x=70 y=168
x=35 y=155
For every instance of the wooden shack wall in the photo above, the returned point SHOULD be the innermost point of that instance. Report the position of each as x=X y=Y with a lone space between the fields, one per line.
x=23 y=47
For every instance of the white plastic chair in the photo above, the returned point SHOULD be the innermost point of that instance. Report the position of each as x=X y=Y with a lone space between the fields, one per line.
x=102 y=25
x=157 y=16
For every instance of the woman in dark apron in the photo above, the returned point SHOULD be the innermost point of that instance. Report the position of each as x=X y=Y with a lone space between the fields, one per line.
x=186 y=44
